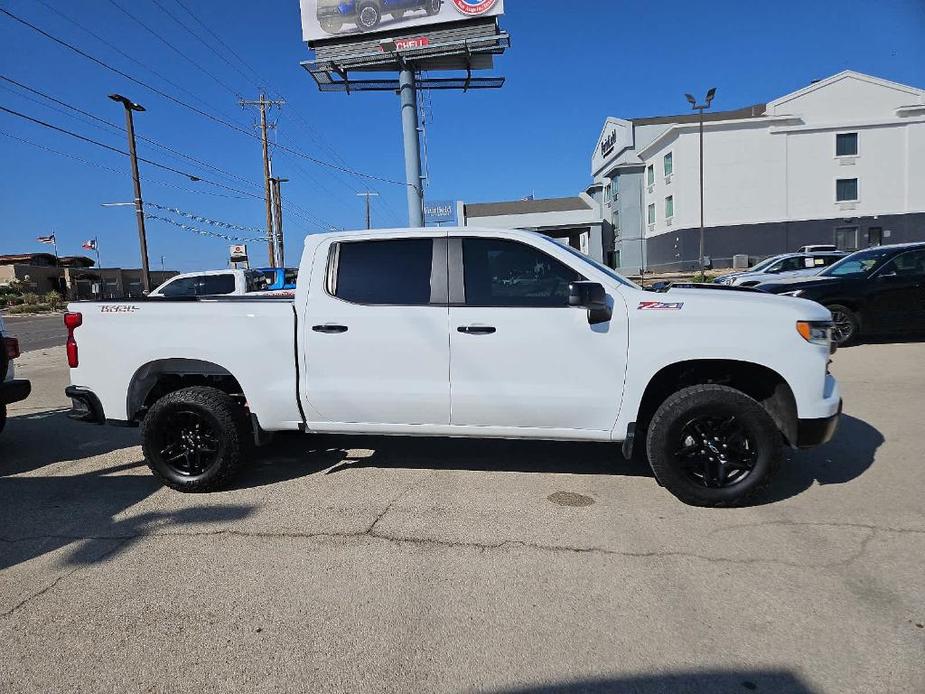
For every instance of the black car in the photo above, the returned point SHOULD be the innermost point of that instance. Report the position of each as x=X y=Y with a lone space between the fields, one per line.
x=11 y=390
x=877 y=290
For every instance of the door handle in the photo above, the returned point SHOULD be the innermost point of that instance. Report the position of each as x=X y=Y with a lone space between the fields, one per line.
x=330 y=328
x=476 y=329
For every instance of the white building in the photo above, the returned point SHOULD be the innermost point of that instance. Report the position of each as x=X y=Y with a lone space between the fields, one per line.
x=840 y=161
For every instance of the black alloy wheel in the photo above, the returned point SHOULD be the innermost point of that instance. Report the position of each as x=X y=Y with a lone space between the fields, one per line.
x=188 y=443
x=368 y=17
x=716 y=452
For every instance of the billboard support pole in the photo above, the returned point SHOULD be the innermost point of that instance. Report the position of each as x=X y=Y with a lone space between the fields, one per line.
x=409 y=122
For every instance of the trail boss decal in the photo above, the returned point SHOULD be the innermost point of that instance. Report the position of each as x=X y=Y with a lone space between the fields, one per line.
x=660 y=306
x=118 y=309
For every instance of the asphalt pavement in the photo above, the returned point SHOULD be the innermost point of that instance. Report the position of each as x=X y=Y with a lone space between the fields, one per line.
x=37 y=332
x=354 y=564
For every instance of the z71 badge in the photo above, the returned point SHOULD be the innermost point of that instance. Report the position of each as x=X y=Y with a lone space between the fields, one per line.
x=660 y=306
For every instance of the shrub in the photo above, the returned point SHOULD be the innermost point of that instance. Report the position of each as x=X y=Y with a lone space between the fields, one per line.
x=53 y=299
x=30 y=298
x=28 y=308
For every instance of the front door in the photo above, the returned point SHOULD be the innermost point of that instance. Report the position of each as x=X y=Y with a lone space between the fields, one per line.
x=897 y=301
x=520 y=357
x=375 y=333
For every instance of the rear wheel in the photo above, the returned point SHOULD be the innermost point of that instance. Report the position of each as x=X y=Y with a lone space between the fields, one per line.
x=433 y=7
x=398 y=15
x=712 y=445
x=332 y=25
x=845 y=324
x=195 y=439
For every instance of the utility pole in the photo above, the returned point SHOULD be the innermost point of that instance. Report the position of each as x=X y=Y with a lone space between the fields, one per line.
x=278 y=209
x=130 y=108
x=407 y=90
x=368 y=195
x=263 y=103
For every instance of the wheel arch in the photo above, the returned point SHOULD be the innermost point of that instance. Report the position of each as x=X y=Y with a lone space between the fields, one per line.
x=158 y=378
x=759 y=382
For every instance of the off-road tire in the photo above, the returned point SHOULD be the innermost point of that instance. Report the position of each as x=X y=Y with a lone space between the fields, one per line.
x=225 y=417
x=851 y=320
x=331 y=25
x=433 y=7
x=665 y=435
x=362 y=8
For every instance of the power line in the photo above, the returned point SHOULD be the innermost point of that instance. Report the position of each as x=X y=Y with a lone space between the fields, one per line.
x=118 y=50
x=195 y=109
x=173 y=48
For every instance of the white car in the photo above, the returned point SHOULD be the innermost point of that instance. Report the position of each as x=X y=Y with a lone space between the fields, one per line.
x=11 y=389
x=263 y=282
x=786 y=265
x=465 y=332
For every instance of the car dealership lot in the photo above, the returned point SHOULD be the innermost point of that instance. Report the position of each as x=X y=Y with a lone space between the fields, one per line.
x=447 y=565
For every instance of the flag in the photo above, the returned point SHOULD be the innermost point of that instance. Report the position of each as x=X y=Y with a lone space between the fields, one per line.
x=46 y=239
x=89 y=245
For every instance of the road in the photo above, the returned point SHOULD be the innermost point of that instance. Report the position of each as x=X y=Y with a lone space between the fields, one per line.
x=37 y=332
x=417 y=565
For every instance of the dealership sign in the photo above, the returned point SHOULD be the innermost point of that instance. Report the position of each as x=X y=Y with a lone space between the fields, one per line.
x=440 y=212
x=350 y=19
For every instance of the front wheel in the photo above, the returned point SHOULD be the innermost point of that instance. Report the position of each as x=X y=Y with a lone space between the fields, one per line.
x=845 y=324
x=195 y=439
x=368 y=16
x=433 y=7
x=712 y=445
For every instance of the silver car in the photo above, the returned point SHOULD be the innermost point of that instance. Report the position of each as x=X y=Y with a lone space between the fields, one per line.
x=785 y=265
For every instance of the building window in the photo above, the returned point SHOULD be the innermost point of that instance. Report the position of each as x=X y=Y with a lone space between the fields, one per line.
x=846 y=145
x=846 y=238
x=614 y=188
x=668 y=164
x=846 y=190
x=651 y=213
x=607 y=194
x=669 y=207
x=650 y=174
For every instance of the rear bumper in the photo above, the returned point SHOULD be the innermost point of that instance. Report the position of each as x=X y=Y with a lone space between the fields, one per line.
x=14 y=391
x=815 y=432
x=85 y=406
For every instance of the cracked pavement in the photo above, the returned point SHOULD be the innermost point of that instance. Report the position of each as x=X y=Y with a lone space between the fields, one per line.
x=355 y=564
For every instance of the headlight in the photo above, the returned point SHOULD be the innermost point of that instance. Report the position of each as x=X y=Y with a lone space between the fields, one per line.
x=816 y=332
x=795 y=292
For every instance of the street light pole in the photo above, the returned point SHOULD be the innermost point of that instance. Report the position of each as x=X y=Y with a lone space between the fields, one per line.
x=130 y=108
x=368 y=195
x=701 y=107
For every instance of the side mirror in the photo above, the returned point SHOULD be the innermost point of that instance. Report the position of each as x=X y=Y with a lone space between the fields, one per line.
x=590 y=295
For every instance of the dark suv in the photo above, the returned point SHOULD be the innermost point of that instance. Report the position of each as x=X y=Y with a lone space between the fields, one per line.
x=11 y=390
x=877 y=290
x=366 y=14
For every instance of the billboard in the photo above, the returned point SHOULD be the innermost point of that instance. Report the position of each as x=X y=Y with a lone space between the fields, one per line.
x=341 y=19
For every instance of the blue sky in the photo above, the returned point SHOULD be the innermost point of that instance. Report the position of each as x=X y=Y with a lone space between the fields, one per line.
x=566 y=73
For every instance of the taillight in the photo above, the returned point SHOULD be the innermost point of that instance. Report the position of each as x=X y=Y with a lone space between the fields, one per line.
x=12 y=347
x=72 y=321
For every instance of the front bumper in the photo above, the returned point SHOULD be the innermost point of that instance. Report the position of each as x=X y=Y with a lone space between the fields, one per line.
x=815 y=432
x=14 y=391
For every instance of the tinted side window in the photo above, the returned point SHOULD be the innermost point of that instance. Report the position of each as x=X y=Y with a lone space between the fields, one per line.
x=185 y=286
x=508 y=273
x=911 y=263
x=395 y=272
x=211 y=285
x=790 y=264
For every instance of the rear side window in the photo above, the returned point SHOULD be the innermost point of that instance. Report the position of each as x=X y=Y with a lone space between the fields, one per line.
x=211 y=285
x=498 y=272
x=185 y=286
x=388 y=272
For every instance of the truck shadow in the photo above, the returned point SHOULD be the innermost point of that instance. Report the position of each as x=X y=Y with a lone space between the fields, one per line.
x=846 y=457
x=32 y=441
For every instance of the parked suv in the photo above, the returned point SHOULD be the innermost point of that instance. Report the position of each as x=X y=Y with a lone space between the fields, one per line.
x=786 y=265
x=877 y=290
x=366 y=14
x=11 y=389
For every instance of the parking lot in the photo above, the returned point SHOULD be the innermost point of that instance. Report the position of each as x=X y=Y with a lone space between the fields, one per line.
x=356 y=564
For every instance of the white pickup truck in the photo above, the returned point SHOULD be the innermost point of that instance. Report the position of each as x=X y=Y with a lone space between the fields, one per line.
x=464 y=332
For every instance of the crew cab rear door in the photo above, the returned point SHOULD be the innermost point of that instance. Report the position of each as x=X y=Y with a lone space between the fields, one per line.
x=520 y=356
x=375 y=331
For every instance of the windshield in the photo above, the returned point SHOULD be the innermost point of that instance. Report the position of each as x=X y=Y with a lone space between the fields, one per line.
x=860 y=264
x=610 y=272
x=766 y=263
